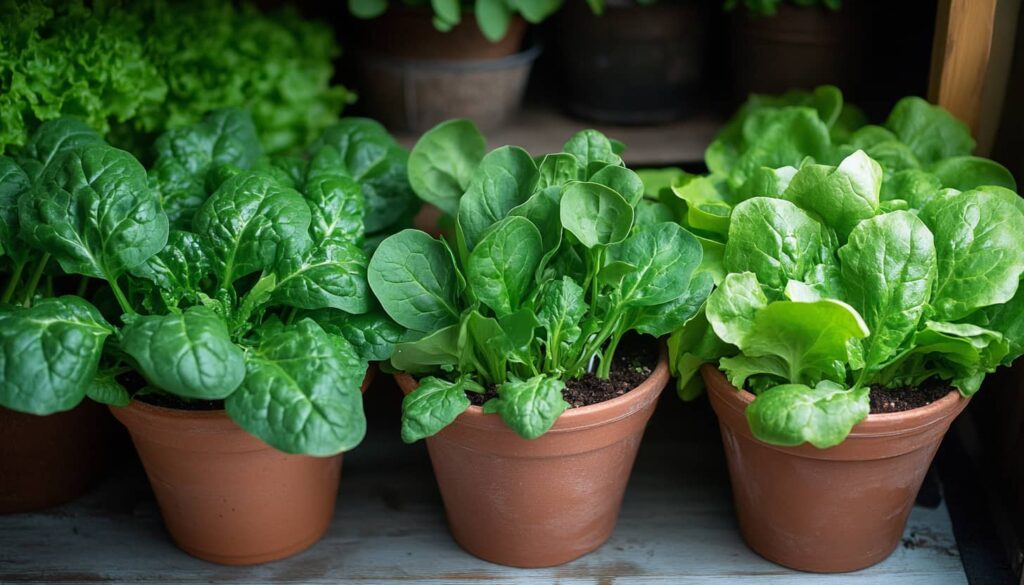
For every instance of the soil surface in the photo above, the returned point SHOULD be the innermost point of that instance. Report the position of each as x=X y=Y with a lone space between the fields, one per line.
x=134 y=382
x=634 y=362
x=909 y=397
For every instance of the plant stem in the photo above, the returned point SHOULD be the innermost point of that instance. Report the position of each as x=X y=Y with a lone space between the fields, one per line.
x=605 y=369
x=119 y=295
x=290 y=315
x=33 y=282
x=12 y=284
x=83 y=286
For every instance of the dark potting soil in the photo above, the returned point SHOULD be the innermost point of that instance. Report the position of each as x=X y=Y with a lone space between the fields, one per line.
x=634 y=362
x=134 y=382
x=908 y=397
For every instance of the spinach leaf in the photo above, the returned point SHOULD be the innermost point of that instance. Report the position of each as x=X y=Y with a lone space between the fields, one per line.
x=49 y=354
x=792 y=414
x=929 y=131
x=332 y=275
x=980 y=261
x=372 y=334
x=595 y=214
x=189 y=354
x=301 y=392
x=888 y=268
x=250 y=222
x=94 y=213
x=414 y=278
x=529 y=406
x=501 y=267
x=505 y=178
x=434 y=405
x=442 y=163
x=841 y=196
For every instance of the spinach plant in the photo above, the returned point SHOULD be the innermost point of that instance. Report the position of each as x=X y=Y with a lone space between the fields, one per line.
x=219 y=300
x=550 y=268
x=492 y=16
x=829 y=289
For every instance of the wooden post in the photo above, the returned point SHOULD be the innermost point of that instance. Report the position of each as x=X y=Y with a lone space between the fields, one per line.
x=960 y=56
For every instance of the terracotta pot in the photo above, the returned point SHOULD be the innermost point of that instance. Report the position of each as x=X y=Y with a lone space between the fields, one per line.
x=409 y=33
x=547 y=501
x=49 y=460
x=226 y=496
x=828 y=510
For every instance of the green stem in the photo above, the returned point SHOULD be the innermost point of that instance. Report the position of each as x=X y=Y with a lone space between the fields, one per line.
x=83 y=286
x=12 y=284
x=290 y=315
x=119 y=295
x=33 y=282
x=605 y=368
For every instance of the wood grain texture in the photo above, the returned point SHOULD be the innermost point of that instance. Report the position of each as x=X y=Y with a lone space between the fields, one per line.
x=677 y=527
x=963 y=42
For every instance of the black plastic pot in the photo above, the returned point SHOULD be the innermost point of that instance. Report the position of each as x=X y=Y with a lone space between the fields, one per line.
x=634 y=64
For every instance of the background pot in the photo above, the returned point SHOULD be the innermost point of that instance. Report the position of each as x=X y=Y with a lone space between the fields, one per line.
x=409 y=33
x=547 y=501
x=797 y=48
x=49 y=460
x=634 y=64
x=226 y=496
x=828 y=510
x=415 y=94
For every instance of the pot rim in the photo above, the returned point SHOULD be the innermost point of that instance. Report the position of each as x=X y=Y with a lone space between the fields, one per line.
x=574 y=419
x=875 y=425
x=203 y=421
x=513 y=61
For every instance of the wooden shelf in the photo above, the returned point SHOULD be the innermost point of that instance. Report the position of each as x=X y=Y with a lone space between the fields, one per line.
x=544 y=130
x=677 y=526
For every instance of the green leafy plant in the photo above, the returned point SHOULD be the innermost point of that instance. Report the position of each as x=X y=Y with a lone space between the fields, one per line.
x=551 y=267
x=137 y=68
x=222 y=299
x=830 y=288
x=770 y=7
x=492 y=16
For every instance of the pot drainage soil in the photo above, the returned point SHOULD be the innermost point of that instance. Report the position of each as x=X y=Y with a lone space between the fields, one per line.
x=885 y=400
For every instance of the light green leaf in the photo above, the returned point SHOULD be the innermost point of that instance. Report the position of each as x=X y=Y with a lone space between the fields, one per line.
x=732 y=307
x=793 y=414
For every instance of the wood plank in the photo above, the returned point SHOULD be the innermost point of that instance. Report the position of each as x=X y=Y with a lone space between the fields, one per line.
x=963 y=42
x=544 y=130
x=677 y=526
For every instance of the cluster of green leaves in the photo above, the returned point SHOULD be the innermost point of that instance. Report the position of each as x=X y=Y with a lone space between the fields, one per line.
x=492 y=16
x=249 y=288
x=770 y=7
x=138 y=68
x=835 y=278
x=552 y=264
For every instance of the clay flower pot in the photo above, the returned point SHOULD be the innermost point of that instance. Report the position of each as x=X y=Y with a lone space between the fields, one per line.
x=50 y=460
x=226 y=496
x=828 y=510
x=547 y=501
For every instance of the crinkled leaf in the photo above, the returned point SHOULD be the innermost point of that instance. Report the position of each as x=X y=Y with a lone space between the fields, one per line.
x=929 y=131
x=793 y=414
x=188 y=354
x=506 y=177
x=250 y=222
x=529 y=406
x=332 y=275
x=433 y=405
x=49 y=354
x=301 y=392
x=94 y=212
x=842 y=196
x=665 y=257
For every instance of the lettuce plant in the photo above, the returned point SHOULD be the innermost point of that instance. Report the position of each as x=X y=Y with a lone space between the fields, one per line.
x=138 y=68
x=551 y=267
x=492 y=16
x=219 y=300
x=829 y=289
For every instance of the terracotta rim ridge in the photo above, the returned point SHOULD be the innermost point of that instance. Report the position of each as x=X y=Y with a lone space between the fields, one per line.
x=583 y=417
x=875 y=425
